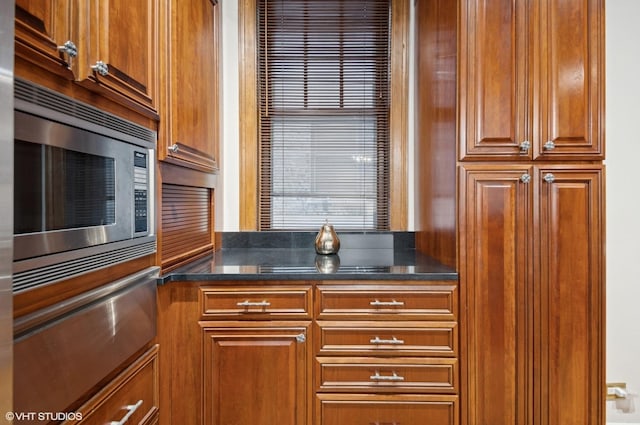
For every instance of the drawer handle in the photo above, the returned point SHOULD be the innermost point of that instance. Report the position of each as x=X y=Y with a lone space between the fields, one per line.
x=248 y=303
x=393 y=341
x=392 y=303
x=131 y=409
x=394 y=377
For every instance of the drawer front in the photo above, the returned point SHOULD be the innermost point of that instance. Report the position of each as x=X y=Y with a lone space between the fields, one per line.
x=415 y=375
x=432 y=301
x=388 y=338
x=256 y=302
x=336 y=409
x=132 y=394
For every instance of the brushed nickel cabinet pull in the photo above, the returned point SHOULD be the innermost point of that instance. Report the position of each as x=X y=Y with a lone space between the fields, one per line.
x=392 y=303
x=131 y=409
x=248 y=303
x=392 y=341
x=394 y=377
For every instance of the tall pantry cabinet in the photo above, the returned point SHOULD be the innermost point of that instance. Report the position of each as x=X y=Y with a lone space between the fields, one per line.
x=510 y=138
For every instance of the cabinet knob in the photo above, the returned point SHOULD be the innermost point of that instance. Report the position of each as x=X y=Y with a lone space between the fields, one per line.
x=69 y=48
x=549 y=146
x=101 y=68
x=301 y=338
x=525 y=146
x=174 y=148
x=525 y=178
x=549 y=178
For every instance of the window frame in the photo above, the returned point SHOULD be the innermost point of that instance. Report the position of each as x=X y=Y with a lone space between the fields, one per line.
x=249 y=122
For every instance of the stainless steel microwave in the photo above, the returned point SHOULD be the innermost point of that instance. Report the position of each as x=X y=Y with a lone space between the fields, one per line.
x=83 y=189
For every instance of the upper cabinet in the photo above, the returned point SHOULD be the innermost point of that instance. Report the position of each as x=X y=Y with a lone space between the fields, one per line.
x=189 y=130
x=531 y=83
x=43 y=34
x=107 y=46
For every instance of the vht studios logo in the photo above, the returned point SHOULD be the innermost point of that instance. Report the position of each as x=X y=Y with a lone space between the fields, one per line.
x=43 y=416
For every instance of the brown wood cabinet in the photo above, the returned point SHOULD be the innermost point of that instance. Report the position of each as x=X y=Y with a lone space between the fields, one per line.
x=278 y=352
x=380 y=347
x=109 y=47
x=189 y=125
x=531 y=80
x=256 y=373
x=526 y=223
x=534 y=303
x=133 y=395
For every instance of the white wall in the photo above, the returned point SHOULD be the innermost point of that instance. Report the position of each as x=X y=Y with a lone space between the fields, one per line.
x=228 y=217
x=623 y=186
x=623 y=203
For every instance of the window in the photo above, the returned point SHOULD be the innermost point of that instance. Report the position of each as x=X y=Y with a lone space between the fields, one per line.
x=250 y=128
x=323 y=87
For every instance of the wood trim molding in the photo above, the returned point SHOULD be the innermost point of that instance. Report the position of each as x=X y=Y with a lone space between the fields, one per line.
x=398 y=115
x=248 y=108
x=249 y=122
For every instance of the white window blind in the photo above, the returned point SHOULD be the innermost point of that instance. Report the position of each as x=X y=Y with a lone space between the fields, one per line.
x=323 y=83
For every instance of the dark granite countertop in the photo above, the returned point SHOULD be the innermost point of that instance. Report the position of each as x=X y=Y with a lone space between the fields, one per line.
x=291 y=256
x=304 y=264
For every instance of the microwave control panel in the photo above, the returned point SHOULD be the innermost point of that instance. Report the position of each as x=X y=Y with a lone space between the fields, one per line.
x=141 y=193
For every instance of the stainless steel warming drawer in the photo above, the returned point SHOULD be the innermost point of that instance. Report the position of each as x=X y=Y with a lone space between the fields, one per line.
x=62 y=352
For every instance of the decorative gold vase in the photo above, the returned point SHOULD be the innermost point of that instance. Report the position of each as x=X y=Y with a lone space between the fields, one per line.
x=327 y=241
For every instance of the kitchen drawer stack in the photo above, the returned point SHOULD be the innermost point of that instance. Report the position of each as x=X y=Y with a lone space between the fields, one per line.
x=386 y=353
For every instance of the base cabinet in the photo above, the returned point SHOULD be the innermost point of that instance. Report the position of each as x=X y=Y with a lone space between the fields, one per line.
x=132 y=397
x=303 y=353
x=256 y=373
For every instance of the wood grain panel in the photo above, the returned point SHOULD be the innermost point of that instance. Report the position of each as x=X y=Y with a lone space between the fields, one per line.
x=496 y=235
x=435 y=145
x=256 y=374
x=276 y=302
x=571 y=79
x=495 y=62
x=189 y=90
x=387 y=338
x=571 y=296
x=40 y=27
x=139 y=382
x=187 y=223
x=340 y=409
x=427 y=301
x=370 y=374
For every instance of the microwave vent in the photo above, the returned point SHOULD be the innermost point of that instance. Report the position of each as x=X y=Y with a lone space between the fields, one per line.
x=68 y=269
x=39 y=100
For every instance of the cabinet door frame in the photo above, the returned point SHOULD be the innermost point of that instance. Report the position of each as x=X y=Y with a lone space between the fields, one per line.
x=569 y=63
x=496 y=200
x=571 y=310
x=494 y=84
x=268 y=334
x=37 y=38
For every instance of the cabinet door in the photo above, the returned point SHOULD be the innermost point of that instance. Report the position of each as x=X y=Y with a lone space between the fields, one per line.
x=118 y=50
x=496 y=240
x=494 y=83
x=256 y=374
x=189 y=133
x=569 y=122
x=571 y=310
x=42 y=27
